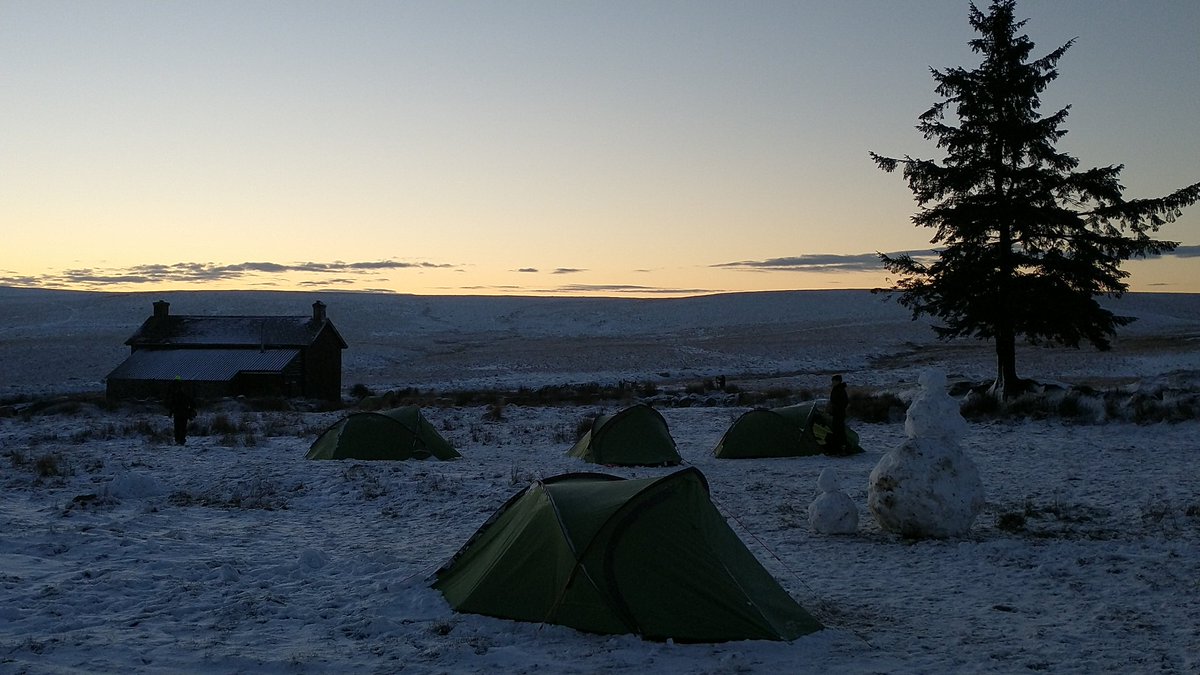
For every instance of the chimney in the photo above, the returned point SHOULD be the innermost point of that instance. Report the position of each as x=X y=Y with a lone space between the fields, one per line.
x=318 y=312
x=161 y=309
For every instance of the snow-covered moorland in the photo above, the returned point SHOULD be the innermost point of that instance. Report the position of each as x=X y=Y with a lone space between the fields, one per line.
x=122 y=552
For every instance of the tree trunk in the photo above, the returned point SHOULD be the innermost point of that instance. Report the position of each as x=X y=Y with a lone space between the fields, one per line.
x=1007 y=384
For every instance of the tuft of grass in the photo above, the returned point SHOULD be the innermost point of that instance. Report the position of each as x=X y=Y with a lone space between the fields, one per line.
x=482 y=435
x=1056 y=520
x=49 y=465
x=494 y=412
x=253 y=493
x=517 y=476
x=236 y=440
x=1012 y=521
x=583 y=426
x=368 y=481
x=570 y=433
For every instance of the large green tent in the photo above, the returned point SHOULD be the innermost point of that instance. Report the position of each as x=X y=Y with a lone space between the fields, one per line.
x=402 y=433
x=602 y=554
x=790 y=431
x=635 y=436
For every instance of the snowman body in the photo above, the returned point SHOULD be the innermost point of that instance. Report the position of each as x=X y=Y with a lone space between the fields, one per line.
x=928 y=487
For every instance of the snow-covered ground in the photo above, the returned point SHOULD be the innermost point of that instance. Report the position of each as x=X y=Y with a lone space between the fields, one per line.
x=120 y=552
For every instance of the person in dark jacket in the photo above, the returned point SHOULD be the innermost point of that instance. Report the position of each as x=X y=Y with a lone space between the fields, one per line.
x=839 y=400
x=181 y=408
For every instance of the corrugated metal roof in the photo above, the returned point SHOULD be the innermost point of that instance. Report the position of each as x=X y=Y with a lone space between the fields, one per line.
x=202 y=365
x=229 y=331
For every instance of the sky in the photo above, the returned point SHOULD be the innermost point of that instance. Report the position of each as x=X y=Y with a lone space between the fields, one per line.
x=531 y=147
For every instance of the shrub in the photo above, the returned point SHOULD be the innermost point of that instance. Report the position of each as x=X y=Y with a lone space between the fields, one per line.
x=1070 y=407
x=221 y=424
x=1032 y=407
x=49 y=466
x=980 y=406
x=777 y=392
x=647 y=389
x=876 y=407
x=272 y=403
x=1012 y=521
x=234 y=440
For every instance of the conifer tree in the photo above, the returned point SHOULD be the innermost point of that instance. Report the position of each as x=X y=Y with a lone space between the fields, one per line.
x=1027 y=242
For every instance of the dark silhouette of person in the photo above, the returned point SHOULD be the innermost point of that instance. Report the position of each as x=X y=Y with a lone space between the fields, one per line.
x=181 y=408
x=839 y=400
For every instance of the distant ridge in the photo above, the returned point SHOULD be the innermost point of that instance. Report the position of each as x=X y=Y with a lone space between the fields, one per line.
x=68 y=340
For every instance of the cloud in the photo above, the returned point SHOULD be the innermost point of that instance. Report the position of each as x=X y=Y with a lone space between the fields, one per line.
x=629 y=288
x=528 y=269
x=575 y=289
x=865 y=262
x=485 y=287
x=343 y=281
x=568 y=270
x=819 y=262
x=192 y=272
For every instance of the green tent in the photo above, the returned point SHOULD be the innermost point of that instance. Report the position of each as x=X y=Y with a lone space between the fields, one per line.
x=402 y=433
x=791 y=431
x=650 y=556
x=635 y=436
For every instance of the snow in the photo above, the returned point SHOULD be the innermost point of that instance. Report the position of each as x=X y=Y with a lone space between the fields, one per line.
x=121 y=552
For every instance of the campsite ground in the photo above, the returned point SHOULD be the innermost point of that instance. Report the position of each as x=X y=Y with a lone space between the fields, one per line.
x=120 y=551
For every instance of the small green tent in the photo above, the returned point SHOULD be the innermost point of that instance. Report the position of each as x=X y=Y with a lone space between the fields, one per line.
x=791 y=431
x=635 y=436
x=402 y=433
x=650 y=556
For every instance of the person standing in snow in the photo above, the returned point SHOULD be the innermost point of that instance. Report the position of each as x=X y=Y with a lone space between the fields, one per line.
x=181 y=409
x=839 y=400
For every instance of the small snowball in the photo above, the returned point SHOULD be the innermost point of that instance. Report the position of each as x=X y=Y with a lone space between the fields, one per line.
x=312 y=559
x=832 y=512
x=133 y=485
x=229 y=573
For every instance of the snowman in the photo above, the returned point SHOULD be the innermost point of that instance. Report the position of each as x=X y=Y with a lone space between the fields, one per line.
x=927 y=487
x=832 y=512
